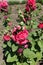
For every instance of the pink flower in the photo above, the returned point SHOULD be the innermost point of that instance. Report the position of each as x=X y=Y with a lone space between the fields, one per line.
x=26 y=46
x=31 y=5
x=21 y=37
x=6 y=37
x=14 y=30
x=5 y=17
x=4 y=4
x=40 y=25
x=13 y=37
x=20 y=50
x=31 y=2
x=9 y=23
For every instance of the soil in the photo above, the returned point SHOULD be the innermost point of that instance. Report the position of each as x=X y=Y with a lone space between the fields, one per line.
x=13 y=15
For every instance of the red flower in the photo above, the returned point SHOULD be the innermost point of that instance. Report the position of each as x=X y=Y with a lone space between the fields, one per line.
x=27 y=8
x=21 y=37
x=6 y=37
x=31 y=2
x=40 y=25
x=4 y=4
x=31 y=5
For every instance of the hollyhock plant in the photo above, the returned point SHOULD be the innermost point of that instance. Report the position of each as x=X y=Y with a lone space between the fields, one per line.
x=23 y=45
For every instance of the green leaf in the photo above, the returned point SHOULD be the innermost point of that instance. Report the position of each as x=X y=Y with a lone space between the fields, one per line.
x=7 y=28
x=4 y=46
x=40 y=43
x=29 y=54
x=33 y=48
x=11 y=58
x=14 y=48
x=8 y=19
x=25 y=63
x=18 y=63
x=33 y=62
x=9 y=43
x=7 y=52
x=39 y=56
x=31 y=40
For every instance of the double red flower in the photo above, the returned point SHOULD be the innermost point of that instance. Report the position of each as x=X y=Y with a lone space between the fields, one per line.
x=31 y=5
x=3 y=5
x=20 y=37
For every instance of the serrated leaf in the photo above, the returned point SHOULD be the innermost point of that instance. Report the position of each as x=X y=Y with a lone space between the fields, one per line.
x=14 y=48
x=9 y=43
x=11 y=58
x=29 y=54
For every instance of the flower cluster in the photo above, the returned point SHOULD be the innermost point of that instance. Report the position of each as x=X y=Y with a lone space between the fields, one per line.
x=31 y=5
x=18 y=37
x=4 y=6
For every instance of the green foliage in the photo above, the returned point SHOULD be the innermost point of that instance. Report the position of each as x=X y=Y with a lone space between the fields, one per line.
x=9 y=44
x=11 y=58
x=14 y=48
x=4 y=45
x=29 y=54
x=38 y=6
